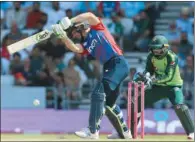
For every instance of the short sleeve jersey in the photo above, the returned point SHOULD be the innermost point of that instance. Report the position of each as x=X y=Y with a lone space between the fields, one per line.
x=100 y=44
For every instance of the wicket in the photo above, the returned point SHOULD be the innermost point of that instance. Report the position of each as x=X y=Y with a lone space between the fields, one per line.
x=138 y=89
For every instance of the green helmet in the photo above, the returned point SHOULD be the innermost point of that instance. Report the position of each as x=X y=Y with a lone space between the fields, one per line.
x=159 y=46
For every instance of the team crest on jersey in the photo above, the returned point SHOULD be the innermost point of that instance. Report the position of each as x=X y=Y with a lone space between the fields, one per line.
x=172 y=63
x=85 y=43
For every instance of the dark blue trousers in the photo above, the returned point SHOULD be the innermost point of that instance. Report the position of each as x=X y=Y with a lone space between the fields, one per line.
x=107 y=90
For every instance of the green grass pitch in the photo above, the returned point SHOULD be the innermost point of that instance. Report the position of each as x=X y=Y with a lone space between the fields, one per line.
x=72 y=137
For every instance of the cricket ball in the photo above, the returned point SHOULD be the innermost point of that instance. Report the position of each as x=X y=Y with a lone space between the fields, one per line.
x=36 y=102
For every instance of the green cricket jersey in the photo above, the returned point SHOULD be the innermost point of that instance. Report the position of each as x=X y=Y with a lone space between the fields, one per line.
x=166 y=69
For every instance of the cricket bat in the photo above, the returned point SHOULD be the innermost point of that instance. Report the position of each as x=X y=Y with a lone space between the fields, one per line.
x=34 y=39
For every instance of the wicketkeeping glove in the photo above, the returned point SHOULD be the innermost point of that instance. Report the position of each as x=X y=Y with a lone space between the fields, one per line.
x=150 y=80
x=148 y=83
x=58 y=31
x=147 y=79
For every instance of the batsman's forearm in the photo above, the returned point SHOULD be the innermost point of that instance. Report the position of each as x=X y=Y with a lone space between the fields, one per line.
x=89 y=17
x=81 y=18
x=70 y=45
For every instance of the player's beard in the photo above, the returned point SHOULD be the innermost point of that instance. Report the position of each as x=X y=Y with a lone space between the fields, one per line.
x=161 y=54
x=79 y=39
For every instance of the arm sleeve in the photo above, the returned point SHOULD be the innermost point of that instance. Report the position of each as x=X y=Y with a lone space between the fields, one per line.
x=85 y=52
x=172 y=62
x=149 y=66
x=99 y=26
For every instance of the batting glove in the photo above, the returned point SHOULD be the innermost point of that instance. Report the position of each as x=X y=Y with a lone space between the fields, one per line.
x=65 y=23
x=58 y=31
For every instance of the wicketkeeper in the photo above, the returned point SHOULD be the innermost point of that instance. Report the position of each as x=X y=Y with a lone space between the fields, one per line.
x=165 y=82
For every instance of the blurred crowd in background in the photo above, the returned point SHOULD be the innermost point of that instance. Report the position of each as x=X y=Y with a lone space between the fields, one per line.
x=51 y=65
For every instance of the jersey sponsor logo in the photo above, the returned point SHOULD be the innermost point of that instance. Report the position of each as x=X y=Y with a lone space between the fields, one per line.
x=92 y=46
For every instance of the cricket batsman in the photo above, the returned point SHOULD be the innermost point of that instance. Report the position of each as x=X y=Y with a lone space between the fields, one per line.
x=94 y=39
x=165 y=82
